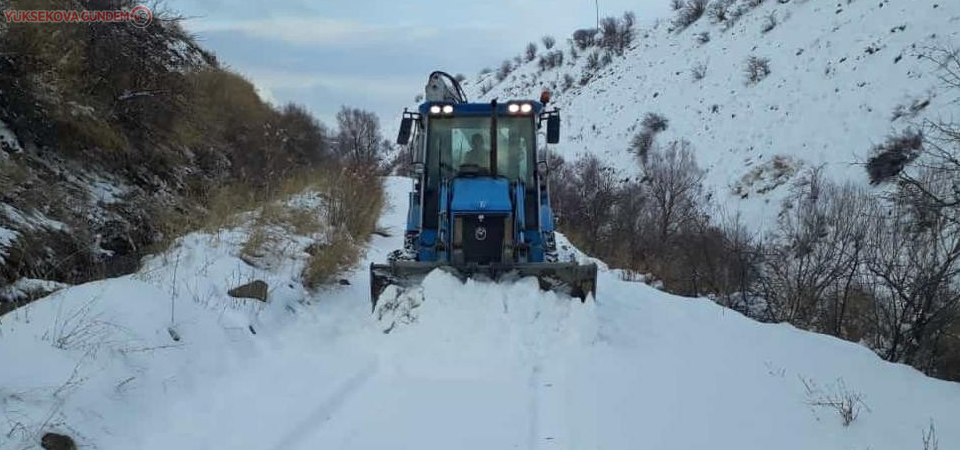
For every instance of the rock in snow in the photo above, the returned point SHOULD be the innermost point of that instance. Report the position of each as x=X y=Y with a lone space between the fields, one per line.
x=256 y=289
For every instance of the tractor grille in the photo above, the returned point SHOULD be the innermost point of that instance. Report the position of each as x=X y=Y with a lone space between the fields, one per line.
x=482 y=239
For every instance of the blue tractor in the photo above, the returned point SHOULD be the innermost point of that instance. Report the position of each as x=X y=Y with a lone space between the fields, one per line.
x=480 y=205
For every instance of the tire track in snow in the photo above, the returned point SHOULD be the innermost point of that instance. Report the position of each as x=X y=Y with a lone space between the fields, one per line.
x=326 y=409
x=533 y=408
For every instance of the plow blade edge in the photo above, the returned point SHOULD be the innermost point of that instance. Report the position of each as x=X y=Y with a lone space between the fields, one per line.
x=575 y=280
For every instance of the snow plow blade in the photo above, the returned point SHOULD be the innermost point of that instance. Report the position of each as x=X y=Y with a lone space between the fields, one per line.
x=575 y=280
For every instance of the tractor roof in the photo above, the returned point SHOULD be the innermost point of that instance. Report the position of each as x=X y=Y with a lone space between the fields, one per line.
x=481 y=109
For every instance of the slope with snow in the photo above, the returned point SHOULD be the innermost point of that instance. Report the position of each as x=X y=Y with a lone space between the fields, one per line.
x=447 y=365
x=844 y=75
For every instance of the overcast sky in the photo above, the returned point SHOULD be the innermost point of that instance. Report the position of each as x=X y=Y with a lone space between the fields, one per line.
x=376 y=54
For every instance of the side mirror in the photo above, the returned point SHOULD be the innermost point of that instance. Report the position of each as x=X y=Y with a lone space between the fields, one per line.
x=403 y=138
x=553 y=129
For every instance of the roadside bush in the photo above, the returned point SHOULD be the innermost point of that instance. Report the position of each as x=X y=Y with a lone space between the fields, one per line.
x=354 y=202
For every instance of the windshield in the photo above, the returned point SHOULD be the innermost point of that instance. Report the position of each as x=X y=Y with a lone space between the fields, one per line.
x=461 y=145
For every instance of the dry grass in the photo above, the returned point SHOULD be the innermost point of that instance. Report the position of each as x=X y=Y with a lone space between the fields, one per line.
x=329 y=260
x=354 y=205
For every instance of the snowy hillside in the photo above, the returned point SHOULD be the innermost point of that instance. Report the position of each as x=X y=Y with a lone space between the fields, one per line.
x=843 y=75
x=480 y=365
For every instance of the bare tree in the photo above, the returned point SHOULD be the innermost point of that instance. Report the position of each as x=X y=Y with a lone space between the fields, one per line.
x=675 y=185
x=359 y=142
x=585 y=193
x=811 y=267
x=914 y=264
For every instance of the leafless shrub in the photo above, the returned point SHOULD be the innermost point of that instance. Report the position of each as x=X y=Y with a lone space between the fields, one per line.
x=550 y=60
x=568 y=81
x=769 y=23
x=485 y=88
x=848 y=404
x=642 y=143
x=930 y=441
x=504 y=71
x=530 y=52
x=909 y=111
x=80 y=328
x=756 y=69
x=676 y=5
x=719 y=10
x=617 y=34
x=890 y=158
x=691 y=12
x=593 y=63
x=584 y=38
x=548 y=42
x=698 y=72
x=606 y=59
x=703 y=37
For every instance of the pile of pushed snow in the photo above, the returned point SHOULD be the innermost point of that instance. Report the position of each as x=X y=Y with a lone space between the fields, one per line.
x=474 y=365
x=844 y=75
x=89 y=361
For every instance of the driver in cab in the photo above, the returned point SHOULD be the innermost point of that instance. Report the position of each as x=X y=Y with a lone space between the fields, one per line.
x=479 y=154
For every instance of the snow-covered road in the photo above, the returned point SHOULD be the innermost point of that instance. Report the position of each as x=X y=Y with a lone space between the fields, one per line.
x=487 y=366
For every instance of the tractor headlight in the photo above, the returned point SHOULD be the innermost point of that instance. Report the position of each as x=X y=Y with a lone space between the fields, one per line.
x=435 y=109
x=526 y=108
x=448 y=109
x=513 y=108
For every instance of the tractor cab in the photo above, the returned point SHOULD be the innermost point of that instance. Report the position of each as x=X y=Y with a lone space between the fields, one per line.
x=480 y=202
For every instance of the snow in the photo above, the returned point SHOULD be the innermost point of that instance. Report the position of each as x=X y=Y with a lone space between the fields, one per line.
x=7 y=238
x=828 y=100
x=475 y=365
x=24 y=288
x=8 y=141
x=106 y=192
x=33 y=220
